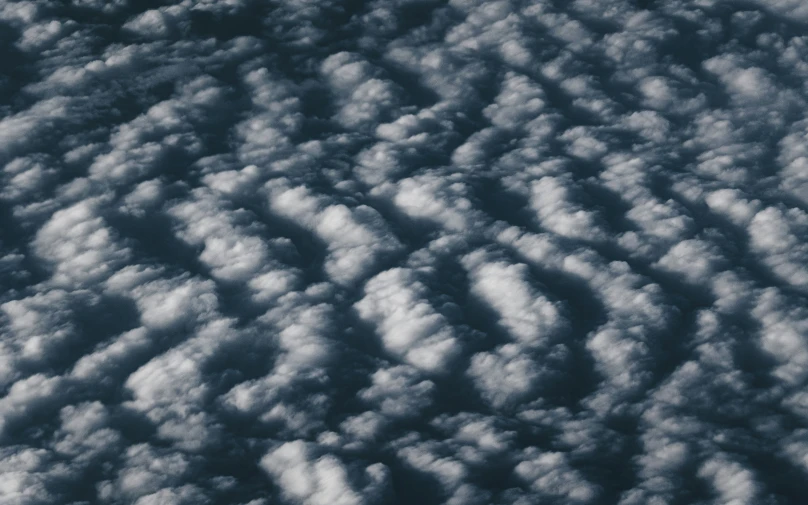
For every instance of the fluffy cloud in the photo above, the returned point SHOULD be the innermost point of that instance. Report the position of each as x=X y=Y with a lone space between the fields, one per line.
x=305 y=478
x=357 y=238
x=465 y=252
x=399 y=392
x=80 y=246
x=550 y=475
x=529 y=317
x=396 y=304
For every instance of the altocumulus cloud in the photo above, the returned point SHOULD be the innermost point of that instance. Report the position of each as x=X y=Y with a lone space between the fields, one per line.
x=361 y=253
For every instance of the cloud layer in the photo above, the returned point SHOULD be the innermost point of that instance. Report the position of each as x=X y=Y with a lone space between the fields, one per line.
x=388 y=252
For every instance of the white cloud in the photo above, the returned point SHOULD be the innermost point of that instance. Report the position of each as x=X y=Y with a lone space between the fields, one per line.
x=782 y=331
x=79 y=244
x=39 y=328
x=792 y=158
x=29 y=396
x=399 y=392
x=24 y=477
x=396 y=304
x=308 y=479
x=295 y=392
x=519 y=102
x=366 y=99
x=554 y=202
x=796 y=449
x=464 y=252
x=482 y=435
x=450 y=473
x=506 y=376
x=792 y=9
x=694 y=260
x=153 y=23
x=112 y=358
x=527 y=315
x=232 y=253
x=431 y=198
x=85 y=433
x=550 y=475
x=777 y=237
x=358 y=238
x=23 y=131
x=733 y=483
x=183 y=495
x=145 y=470
x=165 y=303
x=170 y=391
x=24 y=177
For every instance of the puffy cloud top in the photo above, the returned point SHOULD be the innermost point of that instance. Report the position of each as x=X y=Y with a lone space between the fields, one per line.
x=469 y=252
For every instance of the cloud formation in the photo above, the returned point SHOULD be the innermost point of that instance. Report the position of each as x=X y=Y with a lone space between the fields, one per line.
x=468 y=252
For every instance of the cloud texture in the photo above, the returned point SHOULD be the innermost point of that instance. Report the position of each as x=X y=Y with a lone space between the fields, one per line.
x=385 y=252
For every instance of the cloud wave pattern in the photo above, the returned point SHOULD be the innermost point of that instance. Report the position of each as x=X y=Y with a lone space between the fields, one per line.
x=404 y=251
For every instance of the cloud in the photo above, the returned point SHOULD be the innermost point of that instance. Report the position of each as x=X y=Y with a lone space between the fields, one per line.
x=399 y=392
x=431 y=198
x=23 y=131
x=232 y=254
x=732 y=482
x=165 y=303
x=551 y=198
x=507 y=376
x=307 y=479
x=39 y=328
x=549 y=474
x=465 y=252
x=29 y=397
x=357 y=238
x=449 y=473
x=85 y=433
x=23 y=479
x=410 y=328
x=145 y=472
x=774 y=235
x=25 y=177
x=782 y=325
x=366 y=98
x=693 y=259
x=529 y=317
x=153 y=23
x=82 y=249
